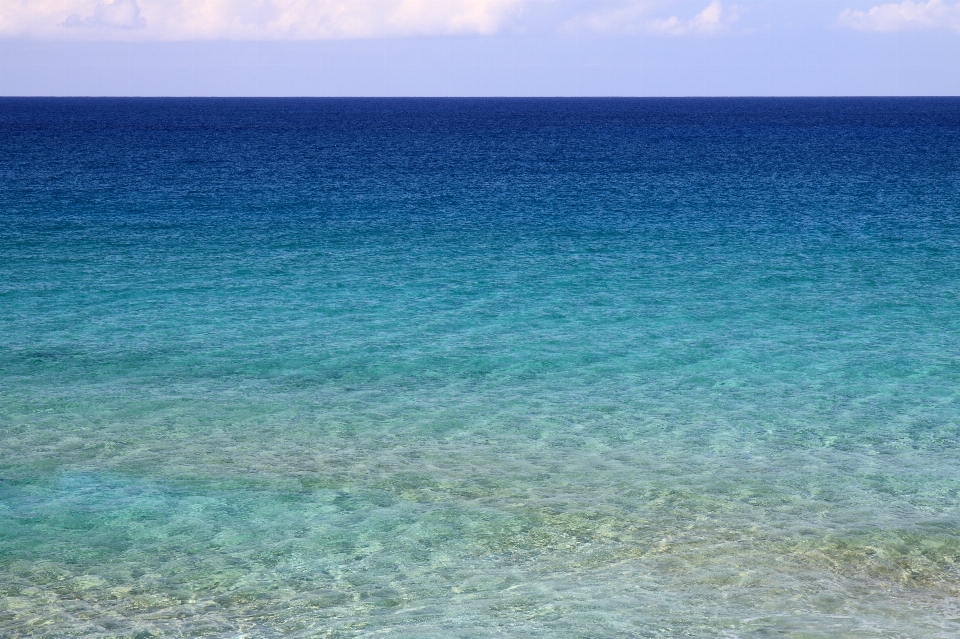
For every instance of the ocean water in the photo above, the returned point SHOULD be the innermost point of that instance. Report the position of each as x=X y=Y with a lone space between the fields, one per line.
x=477 y=368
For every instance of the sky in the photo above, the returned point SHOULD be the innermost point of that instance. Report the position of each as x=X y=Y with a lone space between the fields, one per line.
x=479 y=47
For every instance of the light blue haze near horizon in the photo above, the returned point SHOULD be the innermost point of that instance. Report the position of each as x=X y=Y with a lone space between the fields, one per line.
x=756 y=48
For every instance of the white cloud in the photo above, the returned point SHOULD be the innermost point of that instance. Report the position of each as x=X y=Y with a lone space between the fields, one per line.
x=119 y=14
x=905 y=15
x=251 y=19
x=636 y=17
x=712 y=18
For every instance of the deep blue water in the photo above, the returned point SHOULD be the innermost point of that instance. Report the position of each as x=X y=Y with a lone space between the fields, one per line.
x=470 y=368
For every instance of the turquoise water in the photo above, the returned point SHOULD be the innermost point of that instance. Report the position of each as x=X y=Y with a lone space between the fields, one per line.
x=530 y=368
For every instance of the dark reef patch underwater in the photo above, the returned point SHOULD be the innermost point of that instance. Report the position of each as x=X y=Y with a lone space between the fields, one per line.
x=476 y=368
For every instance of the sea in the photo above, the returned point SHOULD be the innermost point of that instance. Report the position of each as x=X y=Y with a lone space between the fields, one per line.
x=467 y=368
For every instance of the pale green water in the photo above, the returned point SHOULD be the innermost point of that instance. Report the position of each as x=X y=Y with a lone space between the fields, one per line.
x=468 y=369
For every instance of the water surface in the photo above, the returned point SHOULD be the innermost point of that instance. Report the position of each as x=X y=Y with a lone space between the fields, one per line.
x=471 y=368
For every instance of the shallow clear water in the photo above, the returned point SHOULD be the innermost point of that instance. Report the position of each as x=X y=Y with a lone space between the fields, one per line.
x=525 y=368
